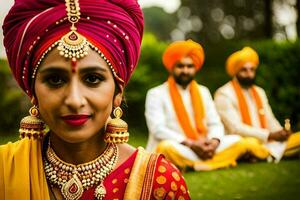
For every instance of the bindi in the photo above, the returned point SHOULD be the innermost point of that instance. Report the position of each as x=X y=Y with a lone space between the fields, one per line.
x=73 y=64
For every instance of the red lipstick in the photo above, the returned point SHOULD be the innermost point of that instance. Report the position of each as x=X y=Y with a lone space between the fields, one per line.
x=75 y=120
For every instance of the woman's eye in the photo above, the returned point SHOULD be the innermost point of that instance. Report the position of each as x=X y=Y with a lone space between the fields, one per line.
x=93 y=79
x=55 y=80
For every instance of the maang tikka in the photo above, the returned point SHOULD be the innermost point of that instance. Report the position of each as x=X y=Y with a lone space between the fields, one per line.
x=116 y=129
x=73 y=45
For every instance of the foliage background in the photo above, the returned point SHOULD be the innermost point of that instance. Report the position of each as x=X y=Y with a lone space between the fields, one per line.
x=12 y=101
x=278 y=73
x=251 y=21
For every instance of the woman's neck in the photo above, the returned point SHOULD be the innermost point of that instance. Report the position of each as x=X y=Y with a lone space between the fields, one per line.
x=78 y=153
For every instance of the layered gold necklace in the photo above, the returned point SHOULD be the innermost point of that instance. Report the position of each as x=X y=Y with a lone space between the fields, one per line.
x=73 y=180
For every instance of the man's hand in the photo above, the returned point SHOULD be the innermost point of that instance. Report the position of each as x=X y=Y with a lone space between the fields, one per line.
x=281 y=135
x=188 y=142
x=213 y=143
x=204 y=148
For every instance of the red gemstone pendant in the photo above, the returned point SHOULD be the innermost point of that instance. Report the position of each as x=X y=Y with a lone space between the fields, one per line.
x=73 y=189
x=73 y=36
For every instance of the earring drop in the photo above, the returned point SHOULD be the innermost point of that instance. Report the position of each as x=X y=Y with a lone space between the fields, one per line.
x=116 y=129
x=32 y=126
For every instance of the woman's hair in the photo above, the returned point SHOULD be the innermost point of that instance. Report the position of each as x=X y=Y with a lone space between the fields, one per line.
x=117 y=91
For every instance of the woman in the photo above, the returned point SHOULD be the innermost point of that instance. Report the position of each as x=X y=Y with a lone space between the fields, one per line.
x=73 y=59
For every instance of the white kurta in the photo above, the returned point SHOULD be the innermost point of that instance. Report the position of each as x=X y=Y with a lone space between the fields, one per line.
x=162 y=120
x=228 y=108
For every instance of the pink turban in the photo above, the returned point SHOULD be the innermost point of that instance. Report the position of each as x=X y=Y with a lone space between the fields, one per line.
x=180 y=49
x=32 y=26
x=239 y=58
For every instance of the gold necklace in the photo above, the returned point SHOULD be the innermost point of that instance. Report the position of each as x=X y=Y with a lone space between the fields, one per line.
x=74 y=179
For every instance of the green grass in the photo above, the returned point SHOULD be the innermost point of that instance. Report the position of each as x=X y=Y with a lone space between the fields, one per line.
x=248 y=181
x=260 y=181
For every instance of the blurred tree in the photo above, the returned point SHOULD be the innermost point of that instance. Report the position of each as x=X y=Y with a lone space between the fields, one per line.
x=12 y=104
x=149 y=73
x=285 y=20
x=159 y=22
x=231 y=19
x=278 y=71
x=278 y=74
x=268 y=18
x=298 y=17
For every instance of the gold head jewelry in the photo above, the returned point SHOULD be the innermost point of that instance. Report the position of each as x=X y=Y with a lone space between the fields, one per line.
x=73 y=45
x=116 y=128
x=32 y=126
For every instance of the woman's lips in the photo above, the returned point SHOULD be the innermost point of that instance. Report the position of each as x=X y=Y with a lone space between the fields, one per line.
x=76 y=120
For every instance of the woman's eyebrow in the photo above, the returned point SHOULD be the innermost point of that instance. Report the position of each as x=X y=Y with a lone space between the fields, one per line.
x=92 y=69
x=52 y=70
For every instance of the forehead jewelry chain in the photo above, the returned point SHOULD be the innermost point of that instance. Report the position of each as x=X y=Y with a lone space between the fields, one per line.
x=74 y=179
x=73 y=45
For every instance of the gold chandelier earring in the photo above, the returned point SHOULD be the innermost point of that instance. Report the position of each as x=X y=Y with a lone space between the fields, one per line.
x=116 y=129
x=32 y=126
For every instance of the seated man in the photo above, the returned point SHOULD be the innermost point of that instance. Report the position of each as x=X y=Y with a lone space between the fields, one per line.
x=181 y=116
x=245 y=111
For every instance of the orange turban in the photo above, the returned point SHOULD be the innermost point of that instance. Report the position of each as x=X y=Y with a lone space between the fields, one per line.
x=180 y=49
x=239 y=58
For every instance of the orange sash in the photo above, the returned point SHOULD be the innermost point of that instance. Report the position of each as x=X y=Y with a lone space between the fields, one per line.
x=181 y=113
x=243 y=106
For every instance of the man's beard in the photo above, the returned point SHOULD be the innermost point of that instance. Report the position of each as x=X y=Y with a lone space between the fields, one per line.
x=183 y=79
x=246 y=82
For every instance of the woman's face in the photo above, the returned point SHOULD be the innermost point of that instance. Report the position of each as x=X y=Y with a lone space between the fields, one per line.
x=75 y=102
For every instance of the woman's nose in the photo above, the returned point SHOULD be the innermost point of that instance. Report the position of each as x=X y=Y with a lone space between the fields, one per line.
x=74 y=96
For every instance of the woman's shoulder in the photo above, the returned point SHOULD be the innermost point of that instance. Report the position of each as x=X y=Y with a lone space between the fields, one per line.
x=125 y=152
x=159 y=178
x=10 y=146
x=10 y=153
x=18 y=148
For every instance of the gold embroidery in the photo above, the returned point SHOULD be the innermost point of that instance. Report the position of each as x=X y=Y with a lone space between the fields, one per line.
x=127 y=170
x=176 y=176
x=161 y=180
x=159 y=193
x=126 y=180
x=162 y=169
x=115 y=190
x=183 y=189
x=171 y=194
x=174 y=186
x=181 y=198
x=114 y=181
